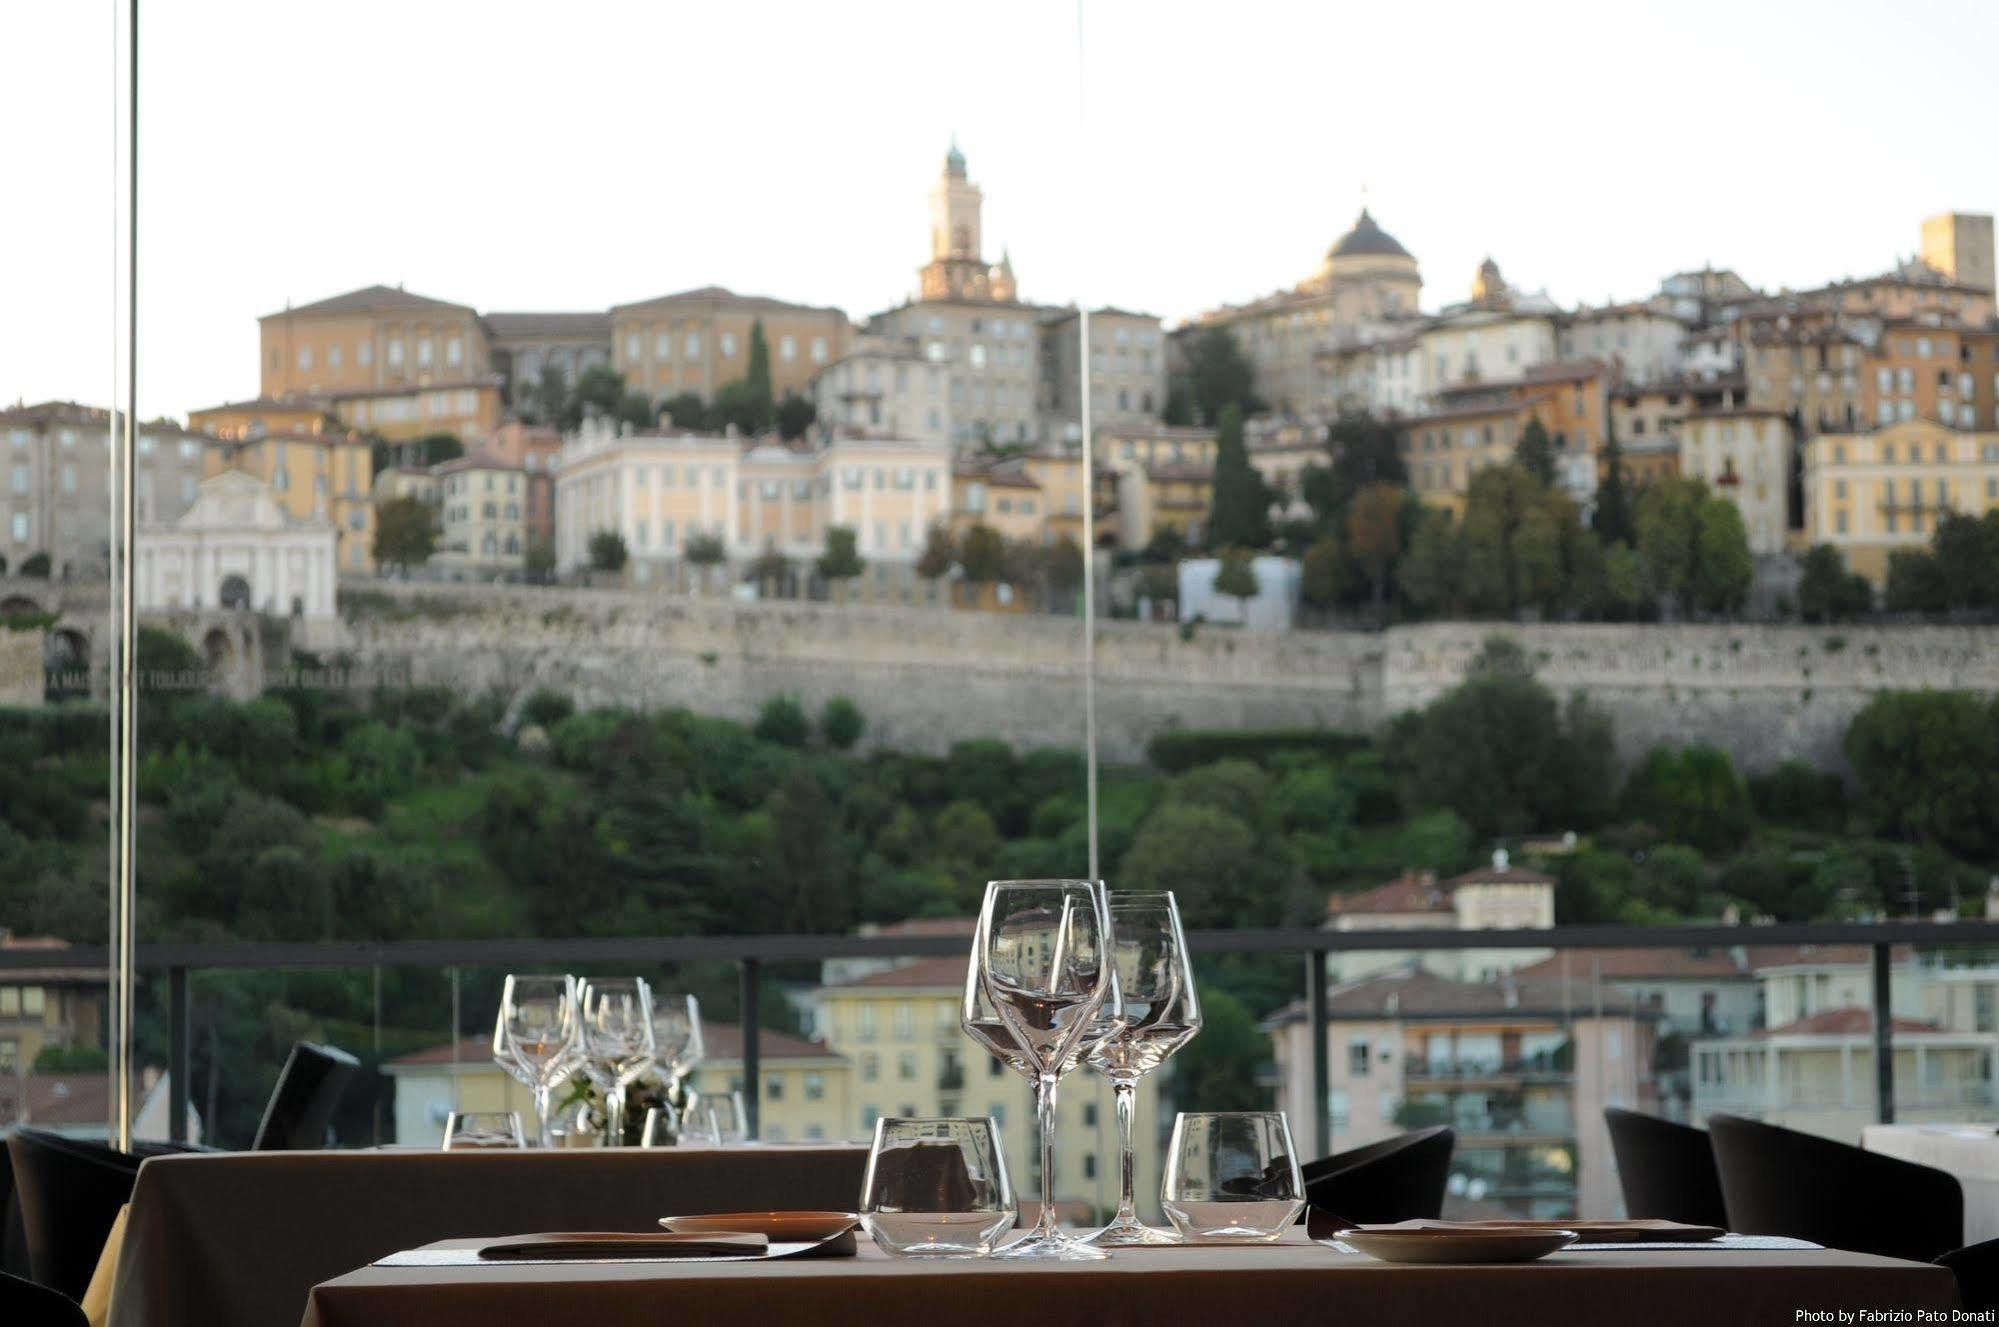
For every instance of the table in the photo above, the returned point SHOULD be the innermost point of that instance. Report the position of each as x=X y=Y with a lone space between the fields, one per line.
x=1968 y=1151
x=1292 y=1282
x=238 y=1239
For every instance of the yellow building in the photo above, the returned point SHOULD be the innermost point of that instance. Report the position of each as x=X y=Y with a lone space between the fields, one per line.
x=1002 y=496
x=899 y=1028
x=1870 y=495
x=482 y=515
x=40 y=1008
x=240 y=421
x=697 y=340
x=463 y=407
x=376 y=337
x=324 y=477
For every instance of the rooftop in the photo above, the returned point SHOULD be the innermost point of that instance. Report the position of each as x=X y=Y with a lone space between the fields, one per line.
x=529 y=326
x=370 y=299
x=944 y=973
x=723 y=295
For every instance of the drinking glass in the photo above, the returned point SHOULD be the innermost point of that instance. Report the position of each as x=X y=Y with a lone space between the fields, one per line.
x=1040 y=955
x=678 y=1045
x=617 y=1043
x=469 y=1129
x=538 y=1037
x=662 y=1127
x=936 y=1188
x=716 y=1121
x=1160 y=1014
x=1232 y=1177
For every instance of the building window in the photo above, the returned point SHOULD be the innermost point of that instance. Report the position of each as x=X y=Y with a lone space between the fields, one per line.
x=787 y=349
x=871 y=1067
x=818 y=350
x=728 y=345
x=304 y=358
x=395 y=354
x=1357 y=1058
x=454 y=352
x=773 y=1087
x=905 y=1066
x=694 y=345
x=815 y=1087
x=423 y=352
x=364 y=353
x=864 y=1022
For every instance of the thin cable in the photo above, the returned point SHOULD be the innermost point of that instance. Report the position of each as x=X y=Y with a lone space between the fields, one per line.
x=128 y=618
x=1089 y=482
x=116 y=743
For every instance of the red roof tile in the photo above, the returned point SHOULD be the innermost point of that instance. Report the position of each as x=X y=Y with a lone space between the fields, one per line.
x=947 y=972
x=1843 y=1023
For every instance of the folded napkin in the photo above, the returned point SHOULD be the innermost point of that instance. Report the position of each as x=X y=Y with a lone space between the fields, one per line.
x=585 y=1245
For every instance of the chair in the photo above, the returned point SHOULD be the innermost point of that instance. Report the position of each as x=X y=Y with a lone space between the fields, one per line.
x=1397 y=1179
x=302 y=1103
x=25 y=1304
x=1781 y=1182
x=13 y=1240
x=70 y=1192
x=1976 y=1267
x=1666 y=1169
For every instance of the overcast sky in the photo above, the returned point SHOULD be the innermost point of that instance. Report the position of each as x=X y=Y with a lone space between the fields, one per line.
x=534 y=156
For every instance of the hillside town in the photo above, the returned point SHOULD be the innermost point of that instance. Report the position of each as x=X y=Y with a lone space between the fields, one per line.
x=707 y=439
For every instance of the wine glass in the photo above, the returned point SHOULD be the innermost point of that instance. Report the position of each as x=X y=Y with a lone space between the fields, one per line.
x=466 y=1130
x=1041 y=957
x=617 y=1043
x=678 y=1044
x=538 y=1037
x=936 y=1188
x=716 y=1121
x=1160 y=1015
x=1232 y=1177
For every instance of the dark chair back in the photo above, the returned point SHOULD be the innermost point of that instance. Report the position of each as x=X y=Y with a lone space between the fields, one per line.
x=1397 y=1179
x=302 y=1103
x=13 y=1240
x=1782 y=1182
x=1666 y=1169
x=1976 y=1267
x=70 y=1192
x=25 y=1304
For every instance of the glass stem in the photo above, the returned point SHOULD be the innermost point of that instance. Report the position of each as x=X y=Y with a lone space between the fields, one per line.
x=1044 y=1104
x=614 y=1116
x=1124 y=1092
x=543 y=1102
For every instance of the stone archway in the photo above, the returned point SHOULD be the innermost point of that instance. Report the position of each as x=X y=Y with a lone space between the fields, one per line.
x=234 y=594
x=65 y=664
x=18 y=605
x=218 y=650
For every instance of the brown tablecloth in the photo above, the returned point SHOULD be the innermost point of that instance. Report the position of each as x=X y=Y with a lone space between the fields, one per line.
x=238 y=1239
x=1294 y=1282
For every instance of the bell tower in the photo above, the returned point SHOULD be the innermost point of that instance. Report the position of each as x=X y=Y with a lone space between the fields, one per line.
x=955 y=269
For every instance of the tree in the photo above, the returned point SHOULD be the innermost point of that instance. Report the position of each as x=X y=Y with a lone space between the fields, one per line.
x=1218 y=376
x=608 y=551
x=436 y=448
x=1725 y=569
x=782 y=720
x=982 y=553
x=405 y=532
x=704 y=551
x=770 y=567
x=1374 y=536
x=1827 y=591
x=807 y=875
x=1692 y=795
x=1365 y=450
x=1613 y=520
x=1514 y=541
x=842 y=558
x=1534 y=453
x=761 y=398
x=1693 y=545
x=1062 y=565
x=1927 y=764
x=687 y=411
x=550 y=401
x=597 y=392
x=795 y=414
x=935 y=559
x=1966 y=549
x=1323 y=572
x=539 y=560
x=1432 y=577
x=1241 y=503
x=1219 y=1071
x=1236 y=577
x=841 y=723
x=636 y=409
x=1915 y=583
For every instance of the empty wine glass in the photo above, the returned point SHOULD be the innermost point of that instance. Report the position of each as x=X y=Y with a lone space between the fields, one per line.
x=662 y=1127
x=478 y=1129
x=1159 y=1015
x=538 y=1037
x=936 y=1188
x=617 y=1043
x=1040 y=956
x=715 y=1121
x=678 y=1044
x=1232 y=1177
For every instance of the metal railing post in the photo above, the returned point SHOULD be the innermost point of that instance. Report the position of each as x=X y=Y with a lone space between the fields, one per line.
x=1316 y=1017
x=752 y=1037
x=177 y=1055
x=1884 y=1037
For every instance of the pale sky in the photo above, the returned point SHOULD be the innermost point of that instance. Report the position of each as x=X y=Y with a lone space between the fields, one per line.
x=515 y=155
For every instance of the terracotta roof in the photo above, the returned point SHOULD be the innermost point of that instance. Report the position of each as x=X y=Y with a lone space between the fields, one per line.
x=1417 y=993
x=300 y=404
x=723 y=295
x=1641 y=964
x=54 y=412
x=944 y=972
x=370 y=299
x=926 y=926
x=56 y=1099
x=1413 y=892
x=530 y=325
x=479 y=458
x=1496 y=874
x=1842 y=1023
x=724 y=1042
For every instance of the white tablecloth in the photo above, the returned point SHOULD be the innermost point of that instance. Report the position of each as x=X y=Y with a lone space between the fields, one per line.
x=1968 y=1151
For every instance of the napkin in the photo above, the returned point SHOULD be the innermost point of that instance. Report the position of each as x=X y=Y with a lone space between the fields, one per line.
x=622 y=1244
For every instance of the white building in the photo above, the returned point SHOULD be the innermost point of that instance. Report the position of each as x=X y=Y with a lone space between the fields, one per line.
x=1745 y=456
x=235 y=547
x=884 y=388
x=1646 y=344
x=1499 y=897
x=1487 y=345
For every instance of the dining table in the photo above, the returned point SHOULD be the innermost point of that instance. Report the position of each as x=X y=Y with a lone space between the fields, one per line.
x=1293 y=1280
x=238 y=1239
x=1970 y=1152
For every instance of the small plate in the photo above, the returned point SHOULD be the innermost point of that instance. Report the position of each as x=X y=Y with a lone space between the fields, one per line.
x=1496 y=1245
x=773 y=1225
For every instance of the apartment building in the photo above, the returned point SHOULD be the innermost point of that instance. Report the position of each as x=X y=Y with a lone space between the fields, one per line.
x=884 y=388
x=42 y=1008
x=367 y=339
x=482 y=515
x=324 y=477
x=1480 y=425
x=57 y=501
x=697 y=340
x=1496 y=897
x=1520 y=1068
x=1745 y=456
x=1127 y=371
x=1644 y=343
x=1870 y=495
x=534 y=450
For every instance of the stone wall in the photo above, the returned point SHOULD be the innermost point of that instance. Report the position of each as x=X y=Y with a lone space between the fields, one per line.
x=926 y=678
x=20 y=668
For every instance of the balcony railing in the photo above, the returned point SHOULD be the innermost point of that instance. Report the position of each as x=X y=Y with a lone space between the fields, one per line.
x=750 y=952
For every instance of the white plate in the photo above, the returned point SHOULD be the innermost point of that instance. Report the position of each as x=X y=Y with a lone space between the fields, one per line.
x=774 y=1225
x=1457 y=1246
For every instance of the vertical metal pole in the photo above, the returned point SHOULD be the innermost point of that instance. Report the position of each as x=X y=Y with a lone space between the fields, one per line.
x=1089 y=489
x=1884 y=1038
x=752 y=1049
x=124 y=675
x=1322 y=1086
x=177 y=1055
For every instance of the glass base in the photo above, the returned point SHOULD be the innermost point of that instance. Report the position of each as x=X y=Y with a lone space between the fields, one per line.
x=1058 y=1247
x=1130 y=1235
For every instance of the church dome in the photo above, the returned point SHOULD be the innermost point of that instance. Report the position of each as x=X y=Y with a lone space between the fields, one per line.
x=1367 y=238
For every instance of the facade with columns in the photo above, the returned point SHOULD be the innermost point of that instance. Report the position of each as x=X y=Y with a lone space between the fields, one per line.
x=661 y=491
x=236 y=547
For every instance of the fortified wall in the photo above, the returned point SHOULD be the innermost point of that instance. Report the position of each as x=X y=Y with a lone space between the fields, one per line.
x=928 y=677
